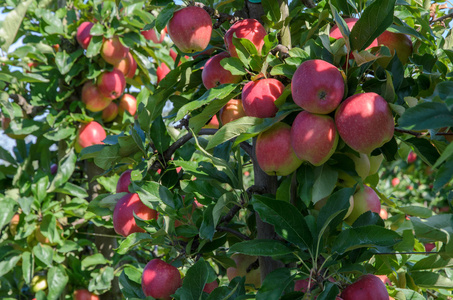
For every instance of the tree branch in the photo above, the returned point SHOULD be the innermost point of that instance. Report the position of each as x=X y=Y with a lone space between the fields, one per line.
x=308 y=3
x=215 y=14
x=442 y=18
x=29 y=109
x=232 y=231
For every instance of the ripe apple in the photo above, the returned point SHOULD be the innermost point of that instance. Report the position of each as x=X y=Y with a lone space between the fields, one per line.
x=258 y=97
x=83 y=34
x=151 y=35
x=233 y=110
x=249 y=29
x=38 y=283
x=123 y=214
x=384 y=214
x=384 y=279
x=162 y=71
x=213 y=123
x=274 y=153
x=429 y=247
x=84 y=295
x=190 y=29
x=362 y=167
x=160 y=280
x=365 y=122
x=13 y=224
x=127 y=103
x=123 y=182
x=111 y=84
x=214 y=74
x=110 y=112
x=368 y=287
x=89 y=134
x=209 y=287
x=365 y=199
x=314 y=137
x=375 y=163
x=317 y=86
x=127 y=66
x=412 y=157
x=399 y=42
x=113 y=51
x=244 y=268
x=395 y=181
x=93 y=99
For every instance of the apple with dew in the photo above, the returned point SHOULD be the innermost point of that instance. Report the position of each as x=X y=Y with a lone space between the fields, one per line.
x=111 y=84
x=162 y=71
x=151 y=35
x=123 y=182
x=83 y=34
x=123 y=214
x=396 y=42
x=89 y=134
x=113 y=51
x=93 y=99
x=314 y=137
x=127 y=66
x=249 y=29
x=274 y=153
x=317 y=86
x=365 y=199
x=233 y=110
x=127 y=103
x=245 y=266
x=160 y=280
x=365 y=122
x=110 y=112
x=375 y=163
x=84 y=295
x=258 y=97
x=214 y=74
x=362 y=167
x=190 y=29
x=368 y=287
x=412 y=157
x=38 y=283
x=395 y=181
x=209 y=287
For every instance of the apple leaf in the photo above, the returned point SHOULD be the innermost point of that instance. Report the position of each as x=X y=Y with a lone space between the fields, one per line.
x=8 y=264
x=275 y=284
x=94 y=260
x=44 y=253
x=335 y=209
x=234 y=65
x=164 y=16
x=232 y=130
x=330 y=291
x=207 y=228
x=325 y=181
x=66 y=167
x=159 y=135
x=416 y=211
x=272 y=10
x=27 y=266
x=342 y=26
x=426 y=115
x=435 y=228
x=12 y=23
x=261 y=248
x=444 y=175
x=130 y=288
x=433 y=262
x=6 y=210
x=133 y=240
x=56 y=281
x=194 y=281
x=428 y=279
x=424 y=149
x=448 y=152
x=49 y=228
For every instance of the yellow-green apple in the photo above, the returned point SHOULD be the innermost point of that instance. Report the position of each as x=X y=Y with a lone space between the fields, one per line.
x=233 y=110
x=365 y=199
x=314 y=137
x=362 y=167
x=111 y=84
x=123 y=214
x=412 y=157
x=321 y=203
x=123 y=182
x=245 y=266
x=368 y=287
x=375 y=163
x=113 y=51
x=38 y=283
x=13 y=224
x=89 y=134
x=162 y=71
x=190 y=29
x=127 y=66
x=110 y=112
x=249 y=29
x=83 y=34
x=213 y=123
x=209 y=287
x=364 y=122
x=395 y=181
x=151 y=35
x=160 y=280
x=93 y=99
x=258 y=97
x=274 y=153
x=84 y=295
x=317 y=86
x=127 y=103
x=399 y=42
x=214 y=74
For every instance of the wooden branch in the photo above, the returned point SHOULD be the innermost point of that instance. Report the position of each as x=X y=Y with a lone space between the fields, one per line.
x=450 y=15
x=308 y=3
x=421 y=134
x=215 y=14
x=29 y=109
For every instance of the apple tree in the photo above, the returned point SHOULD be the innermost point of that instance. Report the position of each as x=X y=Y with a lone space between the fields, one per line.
x=226 y=149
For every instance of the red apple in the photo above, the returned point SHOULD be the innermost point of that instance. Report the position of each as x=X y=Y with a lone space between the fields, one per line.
x=317 y=86
x=160 y=280
x=152 y=36
x=384 y=279
x=190 y=29
x=209 y=287
x=258 y=97
x=127 y=103
x=314 y=137
x=365 y=122
x=249 y=29
x=274 y=153
x=127 y=66
x=84 y=295
x=162 y=71
x=110 y=112
x=383 y=214
x=368 y=287
x=214 y=74
x=412 y=157
x=83 y=34
x=89 y=134
x=336 y=33
x=395 y=181
x=111 y=84
x=93 y=99
x=233 y=110
x=429 y=247
x=399 y=42
x=365 y=199
x=244 y=267
x=123 y=182
x=213 y=123
x=113 y=51
x=123 y=214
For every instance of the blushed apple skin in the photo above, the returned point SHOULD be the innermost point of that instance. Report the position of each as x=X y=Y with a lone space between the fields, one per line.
x=93 y=99
x=190 y=29
x=368 y=287
x=209 y=287
x=151 y=35
x=249 y=29
x=365 y=122
x=89 y=134
x=317 y=86
x=127 y=103
x=314 y=137
x=258 y=97
x=162 y=71
x=399 y=42
x=233 y=110
x=110 y=112
x=113 y=51
x=123 y=182
x=365 y=199
x=214 y=74
x=112 y=84
x=243 y=262
x=336 y=33
x=274 y=153
x=123 y=214
x=85 y=295
x=160 y=279
x=83 y=34
x=127 y=66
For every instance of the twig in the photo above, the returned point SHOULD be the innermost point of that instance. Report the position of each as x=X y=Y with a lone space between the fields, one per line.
x=442 y=18
x=232 y=231
x=26 y=107
x=308 y=3
x=414 y=133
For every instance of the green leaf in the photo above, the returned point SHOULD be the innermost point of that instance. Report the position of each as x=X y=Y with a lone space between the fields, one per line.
x=65 y=61
x=234 y=65
x=194 y=281
x=94 y=47
x=424 y=149
x=56 y=281
x=11 y=24
x=232 y=130
x=8 y=264
x=331 y=213
x=433 y=262
x=164 y=16
x=272 y=10
x=71 y=189
x=6 y=211
x=159 y=135
x=275 y=284
x=6 y=156
x=342 y=26
x=59 y=134
x=27 y=266
x=435 y=228
x=261 y=248
x=284 y=69
x=129 y=288
x=325 y=181
x=108 y=156
x=416 y=211
x=152 y=193
x=94 y=260
x=448 y=152
x=207 y=228
x=101 y=280
x=431 y=280
x=44 y=253
x=426 y=115
x=65 y=169
x=48 y=228
x=133 y=240
x=444 y=175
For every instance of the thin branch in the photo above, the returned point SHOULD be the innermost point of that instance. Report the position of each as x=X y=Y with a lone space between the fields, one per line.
x=420 y=134
x=29 y=109
x=440 y=19
x=221 y=17
x=232 y=231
